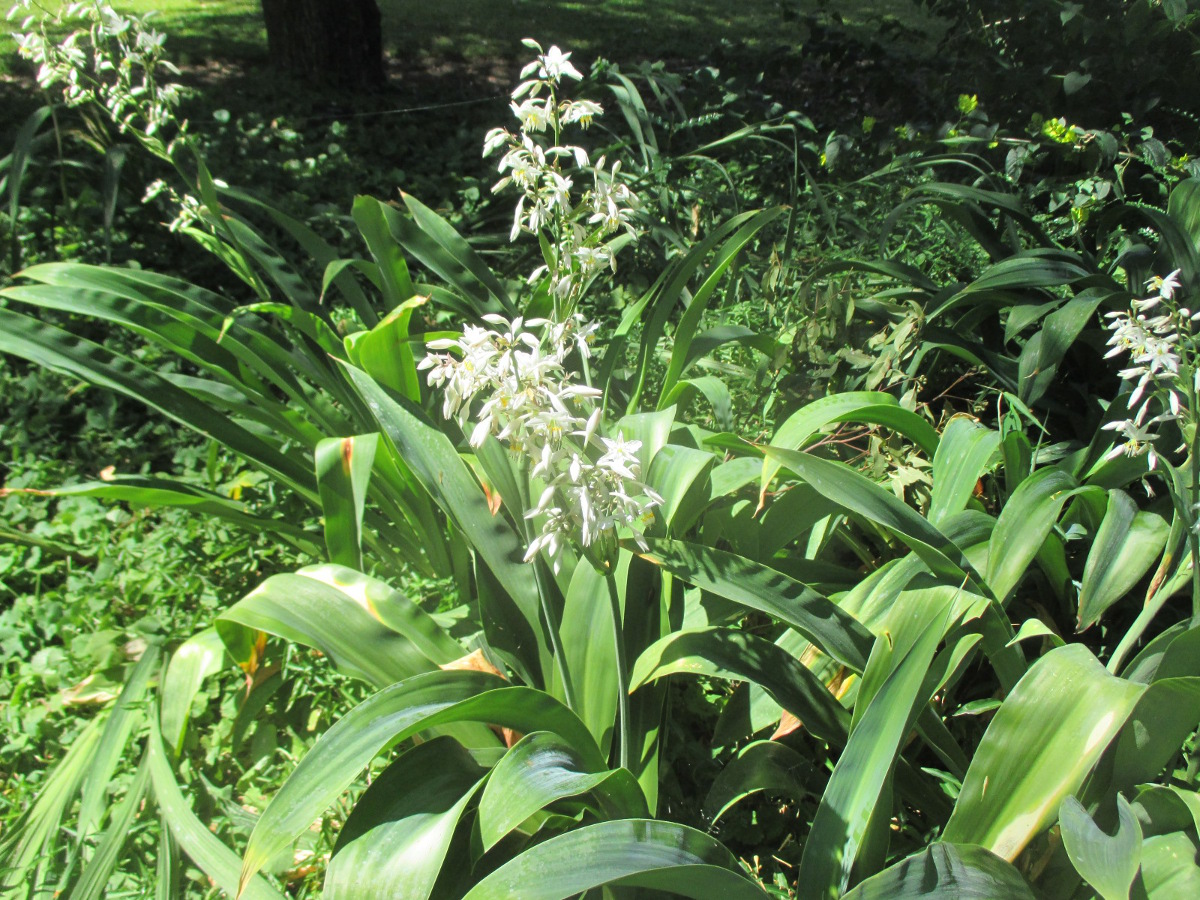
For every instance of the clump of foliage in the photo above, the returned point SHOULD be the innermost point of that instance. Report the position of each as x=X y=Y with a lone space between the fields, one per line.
x=944 y=623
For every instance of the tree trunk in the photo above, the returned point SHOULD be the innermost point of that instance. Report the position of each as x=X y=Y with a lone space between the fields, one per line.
x=335 y=42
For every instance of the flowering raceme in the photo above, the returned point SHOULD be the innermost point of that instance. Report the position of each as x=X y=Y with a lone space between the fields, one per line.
x=114 y=59
x=512 y=380
x=1154 y=343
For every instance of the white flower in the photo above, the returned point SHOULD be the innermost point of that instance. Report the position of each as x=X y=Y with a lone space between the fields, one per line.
x=581 y=111
x=1167 y=286
x=1138 y=440
x=555 y=64
x=534 y=115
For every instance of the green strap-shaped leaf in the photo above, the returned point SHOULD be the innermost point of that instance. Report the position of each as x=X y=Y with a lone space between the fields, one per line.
x=30 y=840
x=331 y=610
x=148 y=491
x=126 y=714
x=542 y=768
x=385 y=719
x=1043 y=741
x=736 y=655
x=395 y=841
x=963 y=455
x=1023 y=525
x=712 y=389
x=432 y=240
x=627 y=851
x=858 y=494
x=515 y=611
x=856 y=793
x=945 y=871
x=689 y=322
x=766 y=766
x=1166 y=713
x=196 y=659
x=1109 y=863
x=758 y=587
x=590 y=650
x=55 y=348
x=343 y=472
x=1127 y=544
x=678 y=474
x=1169 y=870
x=1038 y=364
x=212 y=857
x=848 y=406
x=93 y=880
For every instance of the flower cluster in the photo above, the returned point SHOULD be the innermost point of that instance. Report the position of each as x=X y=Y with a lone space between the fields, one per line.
x=512 y=380
x=530 y=403
x=1154 y=331
x=110 y=58
x=579 y=228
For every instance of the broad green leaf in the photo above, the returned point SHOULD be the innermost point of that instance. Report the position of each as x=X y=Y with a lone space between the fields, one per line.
x=542 y=768
x=856 y=791
x=691 y=864
x=18 y=162
x=1127 y=544
x=1183 y=206
x=388 y=717
x=433 y=242
x=212 y=857
x=1036 y=628
x=758 y=587
x=1023 y=525
x=1166 y=713
x=449 y=481
x=343 y=471
x=736 y=655
x=963 y=455
x=1162 y=809
x=1042 y=354
x=1109 y=863
x=664 y=296
x=385 y=352
x=801 y=426
x=1169 y=870
x=653 y=429
x=591 y=654
x=944 y=871
x=49 y=346
x=196 y=659
x=712 y=389
x=346 y=617
x=395 y=841
x=149 y=491
x=766 y=766
x=1041 y=744
x=858 y=494
x=679 y=475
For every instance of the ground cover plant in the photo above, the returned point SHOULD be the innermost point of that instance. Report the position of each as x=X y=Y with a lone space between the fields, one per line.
x=694 y=498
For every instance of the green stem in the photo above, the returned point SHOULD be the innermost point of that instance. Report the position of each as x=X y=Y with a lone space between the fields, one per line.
x=552 y=625
x=548 y=612
x=622 y=669
x=1194 y=489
